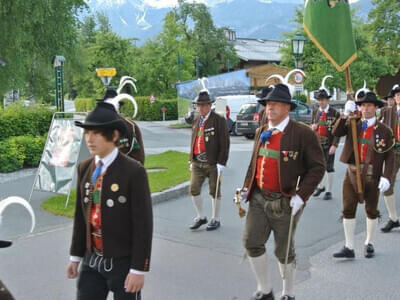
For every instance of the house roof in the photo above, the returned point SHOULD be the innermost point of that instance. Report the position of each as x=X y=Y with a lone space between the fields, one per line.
x=258 y=49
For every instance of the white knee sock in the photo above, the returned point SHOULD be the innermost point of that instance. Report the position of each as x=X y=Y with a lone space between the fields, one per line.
x=391 y=207
x=259 y=266
x=288 y=282
x=372 y=224
x=349 y=226
x=198 y=205
x=323 y=182
x=216 y=205
x=329 y=182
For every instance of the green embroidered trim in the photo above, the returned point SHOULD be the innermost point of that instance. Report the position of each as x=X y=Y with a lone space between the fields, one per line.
x=322 y=123
x=269 y=153
x=364 y=141
x=96 y=196
x=200 y=133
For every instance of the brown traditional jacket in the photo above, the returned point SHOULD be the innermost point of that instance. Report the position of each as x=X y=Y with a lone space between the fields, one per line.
x=216 y=138
x=300 y=156
x=127 y=142
x=389 y=117
x=332 y=116
x=383 y=147
x=126 y=212
x=262 y=117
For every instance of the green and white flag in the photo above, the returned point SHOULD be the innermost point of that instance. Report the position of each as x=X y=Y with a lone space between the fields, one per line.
x=328 y=24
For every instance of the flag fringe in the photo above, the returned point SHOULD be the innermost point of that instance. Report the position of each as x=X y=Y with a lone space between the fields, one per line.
x=330 y=58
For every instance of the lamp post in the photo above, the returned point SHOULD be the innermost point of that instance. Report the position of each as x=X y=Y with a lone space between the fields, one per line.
x=298 y=42
x=3 y=63
x=180 y=61
x=58 y=64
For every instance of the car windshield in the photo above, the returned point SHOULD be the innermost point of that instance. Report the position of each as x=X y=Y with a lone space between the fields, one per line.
x=249 y=108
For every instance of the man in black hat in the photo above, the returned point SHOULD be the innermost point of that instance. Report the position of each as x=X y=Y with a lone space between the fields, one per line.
x=261 y=99
x=375 y=143
x=390 y=117
x=323 y=119
x=131 y=143
x=209 y=153
x=113 y=223
x=4 y=292
x=286 y=166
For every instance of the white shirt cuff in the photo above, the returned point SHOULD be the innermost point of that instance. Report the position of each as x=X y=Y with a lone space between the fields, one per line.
x=75 y=258
x=133 y=271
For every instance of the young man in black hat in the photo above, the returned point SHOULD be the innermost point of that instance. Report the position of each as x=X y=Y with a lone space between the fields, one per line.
x=209 y=153
x=323 y=119
x=113 y=223
x=4 y=292
x=286 y=166
x=390 y=117
x=375 y=143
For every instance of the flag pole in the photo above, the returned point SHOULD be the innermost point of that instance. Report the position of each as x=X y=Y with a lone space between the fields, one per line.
x=350 y=96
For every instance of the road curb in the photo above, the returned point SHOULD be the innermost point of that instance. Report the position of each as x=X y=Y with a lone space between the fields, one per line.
x=171 y=193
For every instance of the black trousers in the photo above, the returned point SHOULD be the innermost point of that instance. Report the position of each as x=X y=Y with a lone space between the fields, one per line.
x=4 y=293
x=98 y=276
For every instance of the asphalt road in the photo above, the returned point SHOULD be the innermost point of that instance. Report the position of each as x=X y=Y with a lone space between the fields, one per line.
x=203 y=265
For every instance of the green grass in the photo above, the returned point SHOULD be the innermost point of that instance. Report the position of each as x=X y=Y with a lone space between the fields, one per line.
x=183 y=107
x=180 y=125
x=176 y=171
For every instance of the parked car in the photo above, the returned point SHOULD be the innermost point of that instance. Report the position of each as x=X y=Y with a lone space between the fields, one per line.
x=248 y=118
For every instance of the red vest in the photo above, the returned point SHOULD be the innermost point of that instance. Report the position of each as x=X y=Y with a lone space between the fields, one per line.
x=95 y=218
x=363 y=141
x=322 y=131
x=267 y=174
x=397 y=131
x=199 y=146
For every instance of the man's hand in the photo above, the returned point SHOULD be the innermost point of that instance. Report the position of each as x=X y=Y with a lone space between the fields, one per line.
x=190 y=167
x=72 y=269
x=220 y=168
x=133 y=283
x=349 y=107
x=296 y=203
x=242 y=193
x=314 y=127
x=332 y=150
x=384 y=184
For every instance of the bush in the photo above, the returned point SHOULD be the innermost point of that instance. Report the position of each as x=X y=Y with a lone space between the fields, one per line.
x=151 y=111
x=84 y=104
x=17 y=120
x=21 y=151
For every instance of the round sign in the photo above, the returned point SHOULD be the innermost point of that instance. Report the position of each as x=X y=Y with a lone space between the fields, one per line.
x=163 y=109
x=298 y=77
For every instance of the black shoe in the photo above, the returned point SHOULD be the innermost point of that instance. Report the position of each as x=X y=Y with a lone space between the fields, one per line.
x=4 y=244
x=261 y=296
x=318 y=192
x=327 y=196
x=344 y=253
x=286 y=297
x=369 y=251
x=390 y=225
x=198 y=222
x=214 y=224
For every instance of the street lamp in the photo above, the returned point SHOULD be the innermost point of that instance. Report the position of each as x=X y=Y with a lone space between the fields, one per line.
x=297 y=49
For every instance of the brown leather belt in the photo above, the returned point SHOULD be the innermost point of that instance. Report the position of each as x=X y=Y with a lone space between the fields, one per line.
x=271 y=196
x=202 y=157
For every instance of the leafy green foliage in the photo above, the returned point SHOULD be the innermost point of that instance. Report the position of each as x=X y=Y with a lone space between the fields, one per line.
x=368 y=66
x=84 y=104
x=18 y=120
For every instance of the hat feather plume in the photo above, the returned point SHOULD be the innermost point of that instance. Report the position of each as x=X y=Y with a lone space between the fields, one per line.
x=323 y=87
x=203 y=84
x=285 y=80
x=363 y=89
x=21 y=201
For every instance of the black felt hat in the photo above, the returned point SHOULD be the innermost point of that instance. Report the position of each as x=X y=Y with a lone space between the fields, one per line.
x=103 y=116
x=281 y=93
x=322 y=94
x=203 y=98
x=390 y=95
x=263 y=94
x=370 y=97
x=395 y=90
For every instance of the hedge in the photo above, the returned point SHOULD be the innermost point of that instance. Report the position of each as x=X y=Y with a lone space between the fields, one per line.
x=146 y=111
x=21 y=151
x=18 y=120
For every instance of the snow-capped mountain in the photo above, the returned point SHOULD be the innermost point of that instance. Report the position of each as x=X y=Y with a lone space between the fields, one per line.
x=268 y=19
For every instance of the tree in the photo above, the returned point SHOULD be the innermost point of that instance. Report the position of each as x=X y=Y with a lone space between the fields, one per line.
x=385 y=27
x=368 y=66
x=32 y=33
